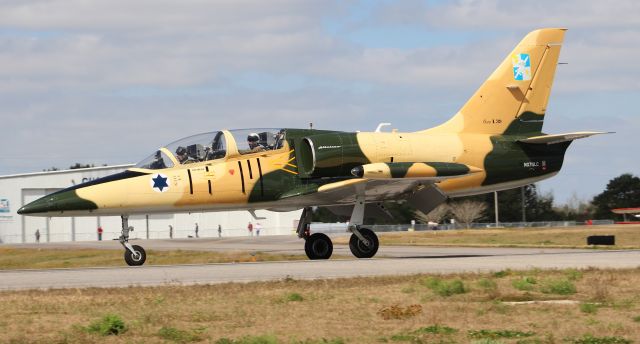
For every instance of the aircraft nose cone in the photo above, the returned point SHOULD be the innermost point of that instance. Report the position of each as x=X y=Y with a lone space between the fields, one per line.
x=59 y=202
x=38 y=206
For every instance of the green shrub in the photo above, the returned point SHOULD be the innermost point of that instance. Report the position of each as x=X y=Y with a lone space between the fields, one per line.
x=451 y=288
x=445 y=288
x=110 y=324
x=560 y=287
x=487 y=284
x=589 y=308
x=294 y=297
x=573 y=274
x=493 y=334
x=636 y=319
x=435 y=329
x=525 y=283
x=502 y=273
x=589 y=339
x=431 y=282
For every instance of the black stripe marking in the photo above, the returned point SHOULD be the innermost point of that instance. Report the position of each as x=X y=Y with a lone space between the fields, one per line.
x=261 y=185
x=190 y=182
x=208 y=181
x=241 y=176
x=250 y=171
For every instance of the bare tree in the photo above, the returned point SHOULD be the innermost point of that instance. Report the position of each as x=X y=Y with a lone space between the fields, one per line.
x=436 y=215
x=467 y=211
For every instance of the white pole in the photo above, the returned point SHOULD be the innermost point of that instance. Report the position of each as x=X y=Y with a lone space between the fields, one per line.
x=495 y=204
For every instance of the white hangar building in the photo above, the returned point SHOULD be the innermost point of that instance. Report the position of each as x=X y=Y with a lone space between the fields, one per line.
x=20 y=189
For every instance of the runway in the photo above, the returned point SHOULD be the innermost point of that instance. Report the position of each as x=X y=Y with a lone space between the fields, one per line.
x=394 y=260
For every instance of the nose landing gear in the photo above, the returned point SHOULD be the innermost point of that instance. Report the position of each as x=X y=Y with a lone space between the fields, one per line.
x=134 y=255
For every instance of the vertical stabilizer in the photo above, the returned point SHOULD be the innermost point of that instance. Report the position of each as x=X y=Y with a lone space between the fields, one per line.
x=513 y=100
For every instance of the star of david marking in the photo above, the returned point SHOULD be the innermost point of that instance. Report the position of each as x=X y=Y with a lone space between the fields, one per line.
x=159 y=183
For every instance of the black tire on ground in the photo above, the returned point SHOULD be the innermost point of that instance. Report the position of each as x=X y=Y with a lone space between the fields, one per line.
x=135 y=260
x=318 y=246
x=359 y=249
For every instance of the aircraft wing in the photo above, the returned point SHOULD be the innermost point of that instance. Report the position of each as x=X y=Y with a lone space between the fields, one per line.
x=414 y=182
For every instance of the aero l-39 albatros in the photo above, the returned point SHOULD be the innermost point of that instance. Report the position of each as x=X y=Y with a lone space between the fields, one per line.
x=494 y=142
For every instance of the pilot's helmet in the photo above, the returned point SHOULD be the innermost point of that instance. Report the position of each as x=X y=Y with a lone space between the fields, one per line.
x=181 y=151
x=253 y=137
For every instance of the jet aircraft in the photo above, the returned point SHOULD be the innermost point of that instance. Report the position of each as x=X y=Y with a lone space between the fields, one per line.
x=494 y=142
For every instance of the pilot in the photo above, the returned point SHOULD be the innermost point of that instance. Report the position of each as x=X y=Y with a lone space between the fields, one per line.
x=158 y=162
x=279 y=138
x=183 y=158
x=254 y=143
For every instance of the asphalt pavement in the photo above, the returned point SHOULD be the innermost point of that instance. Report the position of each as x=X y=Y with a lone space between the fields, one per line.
x=391 y=260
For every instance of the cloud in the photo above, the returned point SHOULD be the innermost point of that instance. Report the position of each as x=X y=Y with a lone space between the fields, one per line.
x=75 y=43
x=510 y=15
x=600 y=34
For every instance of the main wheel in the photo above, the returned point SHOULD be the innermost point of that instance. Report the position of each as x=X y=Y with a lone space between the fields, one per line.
x=318 y=246
x=136 y=259
x=359 y=249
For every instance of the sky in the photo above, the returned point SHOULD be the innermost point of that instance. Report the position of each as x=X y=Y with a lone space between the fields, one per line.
x=107 y=82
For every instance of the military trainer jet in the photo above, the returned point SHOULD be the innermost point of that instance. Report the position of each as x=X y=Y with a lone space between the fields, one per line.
x=494 y=142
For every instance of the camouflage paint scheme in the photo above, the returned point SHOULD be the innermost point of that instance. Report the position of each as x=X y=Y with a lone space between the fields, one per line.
x=494 y=142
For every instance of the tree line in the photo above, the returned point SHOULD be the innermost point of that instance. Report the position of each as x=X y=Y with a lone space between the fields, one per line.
x=75 y=166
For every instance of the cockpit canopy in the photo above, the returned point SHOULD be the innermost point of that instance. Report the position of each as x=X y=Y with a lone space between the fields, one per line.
x=214 y=145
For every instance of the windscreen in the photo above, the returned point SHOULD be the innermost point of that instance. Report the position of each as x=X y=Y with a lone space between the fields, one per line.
x=196 y=148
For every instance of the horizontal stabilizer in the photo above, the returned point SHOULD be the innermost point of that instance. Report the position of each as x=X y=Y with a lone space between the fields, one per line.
x=558 y=138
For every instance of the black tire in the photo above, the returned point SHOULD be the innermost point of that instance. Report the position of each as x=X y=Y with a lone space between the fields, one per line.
x=135 y=260
x=359 y=249
x=318 y=246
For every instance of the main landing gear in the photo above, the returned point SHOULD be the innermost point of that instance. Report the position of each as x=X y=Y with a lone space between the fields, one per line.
x=134 y=255
x=363 y=242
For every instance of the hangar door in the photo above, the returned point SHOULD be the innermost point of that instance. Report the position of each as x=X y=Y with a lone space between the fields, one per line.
x=32 y=223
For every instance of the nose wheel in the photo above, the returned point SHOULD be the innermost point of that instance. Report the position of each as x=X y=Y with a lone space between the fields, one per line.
x=135 y=258
x=134 y=255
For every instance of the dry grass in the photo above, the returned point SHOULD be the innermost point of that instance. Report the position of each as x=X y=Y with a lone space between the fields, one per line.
x=344 y=310
x=26 y=258
x=627 y=236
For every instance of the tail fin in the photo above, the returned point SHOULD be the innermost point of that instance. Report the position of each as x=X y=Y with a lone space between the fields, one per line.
x=513 y=100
